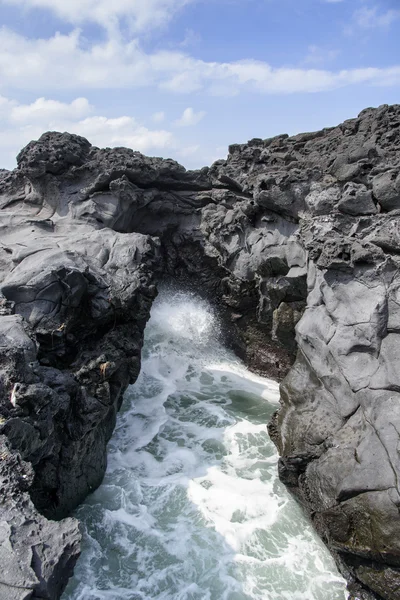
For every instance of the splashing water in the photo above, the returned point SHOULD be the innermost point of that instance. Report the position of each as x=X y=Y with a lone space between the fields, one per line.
x=191 y=507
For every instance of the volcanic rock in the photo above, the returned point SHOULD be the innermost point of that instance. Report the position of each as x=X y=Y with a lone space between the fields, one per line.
x=295 y=239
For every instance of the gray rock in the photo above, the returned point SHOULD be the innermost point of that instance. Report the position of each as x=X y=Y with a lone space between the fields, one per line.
x=37 y=556
x=386 y=189
x=357 y=200
x=322 y=198
x=285 y=236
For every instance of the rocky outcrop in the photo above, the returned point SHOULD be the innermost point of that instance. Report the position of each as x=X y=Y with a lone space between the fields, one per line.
x=296 y=239
x=37 y=556
x=75 y=302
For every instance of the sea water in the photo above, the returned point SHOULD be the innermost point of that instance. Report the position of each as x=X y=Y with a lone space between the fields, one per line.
x=191 y=507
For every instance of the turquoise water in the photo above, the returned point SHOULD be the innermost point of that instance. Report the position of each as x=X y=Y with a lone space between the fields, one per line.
x=191 y=507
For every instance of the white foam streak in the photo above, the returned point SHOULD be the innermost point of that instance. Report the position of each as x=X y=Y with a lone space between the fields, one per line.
x=191 y=507
x=247 y=381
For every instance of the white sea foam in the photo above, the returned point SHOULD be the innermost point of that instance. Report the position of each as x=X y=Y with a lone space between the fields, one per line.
x=191 y=507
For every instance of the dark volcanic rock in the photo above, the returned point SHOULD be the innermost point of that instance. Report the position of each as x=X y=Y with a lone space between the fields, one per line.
x=37 y=556
x=296 y=239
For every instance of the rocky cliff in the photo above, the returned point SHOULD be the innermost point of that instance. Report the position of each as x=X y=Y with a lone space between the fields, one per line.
x=296 y=239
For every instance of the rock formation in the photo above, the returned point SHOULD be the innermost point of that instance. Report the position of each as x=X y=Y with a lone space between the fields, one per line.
x=296 y=239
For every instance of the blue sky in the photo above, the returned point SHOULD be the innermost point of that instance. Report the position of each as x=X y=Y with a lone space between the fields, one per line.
x=185 y=78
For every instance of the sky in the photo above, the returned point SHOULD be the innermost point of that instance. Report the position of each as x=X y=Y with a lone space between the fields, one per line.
x=183 y=79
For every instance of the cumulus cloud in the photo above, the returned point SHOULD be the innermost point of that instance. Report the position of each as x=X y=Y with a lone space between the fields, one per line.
x=65 y=62
x=190 y=117
x=43 y=110
x=20 y=123
x=122 y=131
x=140 y=14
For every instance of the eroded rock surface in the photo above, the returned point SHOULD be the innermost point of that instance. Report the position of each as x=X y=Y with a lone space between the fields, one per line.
x=297 y=239
x=37 y=556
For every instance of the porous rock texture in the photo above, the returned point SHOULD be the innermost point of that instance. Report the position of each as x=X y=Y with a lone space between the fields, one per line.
x=296 y=239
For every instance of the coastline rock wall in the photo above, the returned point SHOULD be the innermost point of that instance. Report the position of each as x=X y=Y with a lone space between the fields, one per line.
x=296 y=239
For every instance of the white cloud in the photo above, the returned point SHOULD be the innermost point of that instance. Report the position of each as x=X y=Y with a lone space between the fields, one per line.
x=190 y=117
x=140 y=14
x=6 y=106
x=47 y=110
x=371 y=18
x=21 y=123
x=158 y=117
x=64 y=62
x=121 y=131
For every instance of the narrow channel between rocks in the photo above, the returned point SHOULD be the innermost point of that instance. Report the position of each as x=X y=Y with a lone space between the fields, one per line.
x=191 y=507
